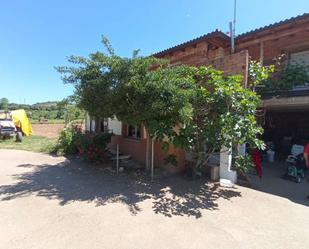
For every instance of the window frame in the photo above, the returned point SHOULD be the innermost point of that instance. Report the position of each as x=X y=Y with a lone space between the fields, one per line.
x=135 y=136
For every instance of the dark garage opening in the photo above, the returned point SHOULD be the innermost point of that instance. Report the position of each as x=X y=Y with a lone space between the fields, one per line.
x=285 y=128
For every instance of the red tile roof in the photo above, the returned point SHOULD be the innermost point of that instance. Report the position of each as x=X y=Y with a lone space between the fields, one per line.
x=274 y=25
x=215 y=34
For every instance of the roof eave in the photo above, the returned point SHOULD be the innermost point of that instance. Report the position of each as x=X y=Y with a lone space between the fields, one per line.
x=263 y=31
x=213 y=35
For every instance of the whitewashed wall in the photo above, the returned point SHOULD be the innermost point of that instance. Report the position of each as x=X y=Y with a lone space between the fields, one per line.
x=115 y=126
x=87 y=123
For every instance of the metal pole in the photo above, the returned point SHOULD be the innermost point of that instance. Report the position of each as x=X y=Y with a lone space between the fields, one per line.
x=232 y=38
x=234 y=22
x=233 y=30
x=117 y=159
x=152 y=159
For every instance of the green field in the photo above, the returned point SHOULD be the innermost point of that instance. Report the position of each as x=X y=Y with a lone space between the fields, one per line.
x=31 y=143
x=50 y=121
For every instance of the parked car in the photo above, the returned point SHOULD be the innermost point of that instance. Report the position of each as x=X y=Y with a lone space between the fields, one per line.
x=7 y=126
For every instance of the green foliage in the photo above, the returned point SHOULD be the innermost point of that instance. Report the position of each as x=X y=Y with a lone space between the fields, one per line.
x=66 y=141
x=158 y=99
x=243 y=163
x=195 y=108
x=259 y=74
x=294 y=75
x=171 y=159
x=137 y=90
x=278 y=77
x=51 y=110
x=288 y=78
x=92 y=146
x=223 y=115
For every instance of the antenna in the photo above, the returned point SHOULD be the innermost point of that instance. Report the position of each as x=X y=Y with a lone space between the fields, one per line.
x=233 y=29
x=234 y=21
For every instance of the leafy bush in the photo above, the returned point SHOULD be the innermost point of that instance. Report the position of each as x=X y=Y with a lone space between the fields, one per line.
x=171 y=159
x=259 y=74
x=92 y=146
x=242 y=163
x=278 y=77
x=293 y=75
x=65 y=144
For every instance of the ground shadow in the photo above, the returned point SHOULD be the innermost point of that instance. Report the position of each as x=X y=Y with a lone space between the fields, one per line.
x=72 y=181
x=273 y=183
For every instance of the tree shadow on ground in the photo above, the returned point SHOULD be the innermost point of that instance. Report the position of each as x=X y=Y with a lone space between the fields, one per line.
x=72 y=181
x=273 y=183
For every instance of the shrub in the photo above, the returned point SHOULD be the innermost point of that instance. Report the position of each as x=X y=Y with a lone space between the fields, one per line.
x=65 y=144
x=242 y=163
x=293 y=75
x=91 y=146
x=278 y=77
x=171 y=159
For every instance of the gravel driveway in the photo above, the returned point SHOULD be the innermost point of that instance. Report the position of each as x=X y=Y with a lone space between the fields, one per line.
x=50 y=202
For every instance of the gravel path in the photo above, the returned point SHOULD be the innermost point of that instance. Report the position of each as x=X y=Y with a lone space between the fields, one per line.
x=50 y=202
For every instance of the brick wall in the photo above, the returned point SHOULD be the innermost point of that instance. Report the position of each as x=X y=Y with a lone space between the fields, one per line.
x=230 y=64
x=192 y=55
x=288 y=40
x=137 y=149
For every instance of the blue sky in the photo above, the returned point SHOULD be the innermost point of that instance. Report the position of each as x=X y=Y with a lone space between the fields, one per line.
x=37 y=35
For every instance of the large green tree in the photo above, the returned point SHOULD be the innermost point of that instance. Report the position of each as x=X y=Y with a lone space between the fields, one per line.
x=195 y=108
x=138 y=90
x=223 y=115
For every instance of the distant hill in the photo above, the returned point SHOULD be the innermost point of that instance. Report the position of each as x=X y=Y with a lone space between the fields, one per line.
x=46 y=104
x=50 y=105
x=46 y=110
x=51 y=110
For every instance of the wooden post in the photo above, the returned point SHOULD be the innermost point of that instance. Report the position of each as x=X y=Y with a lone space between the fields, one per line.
x=147 y=151
x=262 y=52
x=152 y=159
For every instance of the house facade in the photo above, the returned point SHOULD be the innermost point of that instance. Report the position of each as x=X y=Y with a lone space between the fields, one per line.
x=264 y=44
x=285 y=112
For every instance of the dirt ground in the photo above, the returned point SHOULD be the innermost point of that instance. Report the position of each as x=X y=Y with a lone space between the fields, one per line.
x=50 y=202
x=47 y=130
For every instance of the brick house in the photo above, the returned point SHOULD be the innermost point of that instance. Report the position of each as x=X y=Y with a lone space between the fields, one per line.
x=264 y=44
x=286 y=120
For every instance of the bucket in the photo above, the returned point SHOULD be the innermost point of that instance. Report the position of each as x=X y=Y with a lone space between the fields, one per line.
x=270 y=156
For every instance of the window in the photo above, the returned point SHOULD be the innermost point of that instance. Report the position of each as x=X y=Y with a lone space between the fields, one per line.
x=103 y=125
x=134 y=131
x=300 y=58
